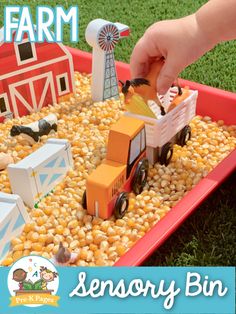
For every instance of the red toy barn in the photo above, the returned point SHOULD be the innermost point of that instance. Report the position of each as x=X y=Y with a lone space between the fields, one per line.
x=33 y=75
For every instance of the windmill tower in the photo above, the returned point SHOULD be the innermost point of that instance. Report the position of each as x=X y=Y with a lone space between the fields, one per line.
x=103 y=36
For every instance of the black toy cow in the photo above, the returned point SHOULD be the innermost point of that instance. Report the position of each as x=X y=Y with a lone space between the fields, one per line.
x=33 y=131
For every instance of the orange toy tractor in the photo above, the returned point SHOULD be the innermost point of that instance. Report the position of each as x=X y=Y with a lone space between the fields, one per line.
x=124 y=169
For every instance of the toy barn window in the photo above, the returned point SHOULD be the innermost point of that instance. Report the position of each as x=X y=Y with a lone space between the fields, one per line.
x=25 y=52
x=63 y=84
x=4 y=105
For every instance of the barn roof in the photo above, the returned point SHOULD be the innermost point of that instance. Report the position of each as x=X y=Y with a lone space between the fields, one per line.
x=2 y=31
x=46 y=52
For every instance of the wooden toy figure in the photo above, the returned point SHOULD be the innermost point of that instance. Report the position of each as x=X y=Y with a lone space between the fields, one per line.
x=124 y=169
x=103 y=36
x=33 y=131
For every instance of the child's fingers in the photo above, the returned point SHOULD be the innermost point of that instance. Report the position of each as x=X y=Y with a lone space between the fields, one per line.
x=143 y=53
x=140 y=70
x=138 y=60
x=168 y=75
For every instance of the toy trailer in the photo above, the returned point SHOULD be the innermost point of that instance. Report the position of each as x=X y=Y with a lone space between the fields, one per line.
x=124 y=169
x=36 y=175
x=13 y=216
x=170 y=129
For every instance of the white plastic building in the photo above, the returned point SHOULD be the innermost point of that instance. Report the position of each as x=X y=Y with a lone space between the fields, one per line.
x=37 y=174
x=103 y=36
x=13 y=216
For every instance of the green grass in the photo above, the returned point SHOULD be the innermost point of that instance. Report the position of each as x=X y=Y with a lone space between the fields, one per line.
x=208 y=237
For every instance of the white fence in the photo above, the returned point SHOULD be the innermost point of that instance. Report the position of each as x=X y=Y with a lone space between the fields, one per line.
x=37 y=174
x=13 y=216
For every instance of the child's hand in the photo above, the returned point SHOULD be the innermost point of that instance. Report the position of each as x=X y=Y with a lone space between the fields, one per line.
x=183 y=41
x=180 y=42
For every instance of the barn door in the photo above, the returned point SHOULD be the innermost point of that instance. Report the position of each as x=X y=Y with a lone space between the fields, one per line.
x=31 y=95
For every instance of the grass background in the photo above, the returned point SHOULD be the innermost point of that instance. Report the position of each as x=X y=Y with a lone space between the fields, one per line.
x=208 y=237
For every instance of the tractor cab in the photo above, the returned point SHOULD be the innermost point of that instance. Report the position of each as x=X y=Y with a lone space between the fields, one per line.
x=123 y=170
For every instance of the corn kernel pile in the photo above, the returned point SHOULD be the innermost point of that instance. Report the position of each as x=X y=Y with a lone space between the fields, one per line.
x=60 y=216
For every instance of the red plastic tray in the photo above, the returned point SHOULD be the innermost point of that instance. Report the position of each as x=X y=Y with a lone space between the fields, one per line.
x=219 y=105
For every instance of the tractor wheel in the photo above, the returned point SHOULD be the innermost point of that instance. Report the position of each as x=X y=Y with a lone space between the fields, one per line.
x=84 y=200
x=140 y=176
x=166 y=154
x=185 y=135
x=121 y=205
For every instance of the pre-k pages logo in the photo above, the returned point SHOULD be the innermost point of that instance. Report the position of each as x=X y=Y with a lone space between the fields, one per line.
x=33 y=281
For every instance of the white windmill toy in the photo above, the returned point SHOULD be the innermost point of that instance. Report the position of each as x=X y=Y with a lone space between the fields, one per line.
x=103 y=36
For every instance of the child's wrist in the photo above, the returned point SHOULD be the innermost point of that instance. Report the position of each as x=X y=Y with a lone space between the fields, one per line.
x=207 y=32
x=216 y=19
x=204 y=37
x=197 y=39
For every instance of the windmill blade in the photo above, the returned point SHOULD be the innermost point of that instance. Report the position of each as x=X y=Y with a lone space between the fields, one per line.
x=108 y=37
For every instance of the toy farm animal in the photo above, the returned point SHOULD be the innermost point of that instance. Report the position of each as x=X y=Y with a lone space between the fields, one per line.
x=64 y=257
x=33 y=131
x=179 y=97
x=141 y=95
x=5 y=160
x=145 y=87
